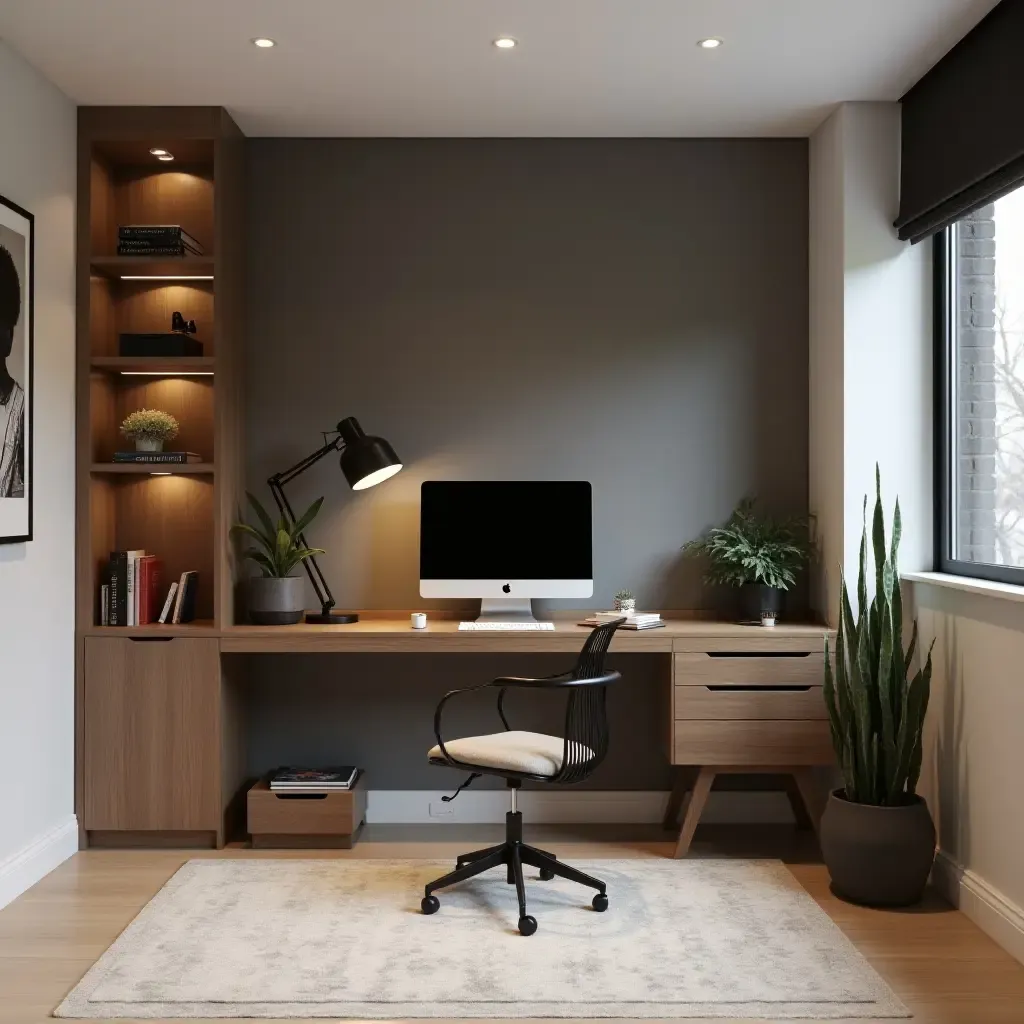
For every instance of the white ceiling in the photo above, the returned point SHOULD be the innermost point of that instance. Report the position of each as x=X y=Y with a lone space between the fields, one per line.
x=427 y=67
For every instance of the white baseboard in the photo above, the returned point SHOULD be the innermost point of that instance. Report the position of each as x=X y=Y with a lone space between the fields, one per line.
x=23 y=868
x=988 y=908
x=423 y=806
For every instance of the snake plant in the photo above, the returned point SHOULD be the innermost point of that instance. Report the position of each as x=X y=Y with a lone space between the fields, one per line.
x=876 y=708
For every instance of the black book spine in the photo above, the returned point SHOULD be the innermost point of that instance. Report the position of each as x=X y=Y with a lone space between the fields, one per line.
x=119 y=588
x=154 y=250
x=158 y=235
x=154 y=457
x=188 y=601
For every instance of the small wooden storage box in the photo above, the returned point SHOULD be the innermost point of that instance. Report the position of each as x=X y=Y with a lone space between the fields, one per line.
x=282 y=820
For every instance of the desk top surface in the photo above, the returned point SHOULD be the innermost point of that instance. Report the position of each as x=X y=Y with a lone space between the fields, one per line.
x=396 y=635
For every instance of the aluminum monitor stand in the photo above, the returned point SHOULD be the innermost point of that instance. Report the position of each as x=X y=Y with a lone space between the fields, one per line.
x=506 y=609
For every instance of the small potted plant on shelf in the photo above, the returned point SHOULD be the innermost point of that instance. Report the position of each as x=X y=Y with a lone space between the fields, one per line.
x=757 y=554
x=275 y=598
x=149 y=428
x=625 y=602
x=877 y=835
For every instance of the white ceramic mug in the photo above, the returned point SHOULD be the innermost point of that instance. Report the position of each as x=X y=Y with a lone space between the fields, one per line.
x=418 y=620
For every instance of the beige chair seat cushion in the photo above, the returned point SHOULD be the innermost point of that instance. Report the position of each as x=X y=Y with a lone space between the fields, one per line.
x=533 y=753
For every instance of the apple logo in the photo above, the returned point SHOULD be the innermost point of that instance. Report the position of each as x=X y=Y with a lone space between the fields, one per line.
x=507 y=589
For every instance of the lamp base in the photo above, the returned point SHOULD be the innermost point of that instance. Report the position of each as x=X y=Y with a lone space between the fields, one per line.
x=330 y=619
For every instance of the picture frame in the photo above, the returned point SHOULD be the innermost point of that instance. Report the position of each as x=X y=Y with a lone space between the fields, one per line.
x=17 y=359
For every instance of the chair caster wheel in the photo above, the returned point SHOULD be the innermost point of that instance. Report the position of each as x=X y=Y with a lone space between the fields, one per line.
x=546 y=874
x=430 y=905
x=600 y=903
x=527 y=925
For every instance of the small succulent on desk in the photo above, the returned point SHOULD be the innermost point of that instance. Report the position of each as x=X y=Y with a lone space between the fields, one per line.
x=280 y=547
x=625 y=601
x=149 y=428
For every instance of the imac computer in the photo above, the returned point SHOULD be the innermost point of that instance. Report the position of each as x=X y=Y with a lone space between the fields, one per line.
x=506 y=542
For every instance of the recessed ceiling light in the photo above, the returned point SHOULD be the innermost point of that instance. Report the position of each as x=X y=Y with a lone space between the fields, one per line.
x=159 y=152
x=263 y=43
x=711 y=43
x=506 y=42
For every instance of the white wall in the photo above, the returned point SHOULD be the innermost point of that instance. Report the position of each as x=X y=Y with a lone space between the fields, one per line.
x=37 y=823
x=870 y=346
x=974 y=761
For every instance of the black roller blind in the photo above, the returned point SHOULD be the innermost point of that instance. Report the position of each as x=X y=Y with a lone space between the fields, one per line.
x=963 y=127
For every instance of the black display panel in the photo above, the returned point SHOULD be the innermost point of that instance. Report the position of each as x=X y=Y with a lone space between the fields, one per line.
x=505 y=530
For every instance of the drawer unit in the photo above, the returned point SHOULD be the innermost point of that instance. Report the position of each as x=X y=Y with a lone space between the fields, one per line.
x=761 y=743
x=775 y=701
x=720 y=668
x=305 y=819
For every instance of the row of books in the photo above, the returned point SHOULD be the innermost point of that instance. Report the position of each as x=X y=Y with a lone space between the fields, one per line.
x=156 y=240
x=634 y=620
x=289 y=779
x=133 y=590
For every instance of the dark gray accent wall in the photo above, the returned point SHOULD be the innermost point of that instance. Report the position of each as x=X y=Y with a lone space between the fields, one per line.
x=629 y=312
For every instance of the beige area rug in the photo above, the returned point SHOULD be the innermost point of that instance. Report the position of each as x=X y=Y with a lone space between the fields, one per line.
x=345 y=938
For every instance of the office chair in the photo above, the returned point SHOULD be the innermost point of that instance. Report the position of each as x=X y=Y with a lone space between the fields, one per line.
x=515 y=755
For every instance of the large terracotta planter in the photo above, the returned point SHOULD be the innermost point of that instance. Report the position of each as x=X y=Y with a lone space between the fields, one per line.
x=879 y=856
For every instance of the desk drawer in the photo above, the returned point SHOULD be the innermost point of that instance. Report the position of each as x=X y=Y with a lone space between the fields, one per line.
x=292 y=814
x=761 y=743
x=790 y=668
x=732 y=703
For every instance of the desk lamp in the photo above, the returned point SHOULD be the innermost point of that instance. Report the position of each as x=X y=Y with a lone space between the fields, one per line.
x=365 y=461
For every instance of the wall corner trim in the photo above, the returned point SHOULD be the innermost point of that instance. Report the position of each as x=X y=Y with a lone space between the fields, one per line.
x=988 y=908
x=23 y=868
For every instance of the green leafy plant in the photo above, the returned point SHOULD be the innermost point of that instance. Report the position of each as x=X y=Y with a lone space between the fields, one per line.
x=750 y=548
x=150 y=425
x=876 y=710
x=280 y=548
x=625 y=595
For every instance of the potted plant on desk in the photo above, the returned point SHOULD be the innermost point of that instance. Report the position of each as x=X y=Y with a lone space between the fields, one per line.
x=877 y=836
x=275 y=598
x=757 y=554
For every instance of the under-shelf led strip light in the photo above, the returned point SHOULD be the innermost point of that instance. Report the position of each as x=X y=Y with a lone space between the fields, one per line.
x=167 y=277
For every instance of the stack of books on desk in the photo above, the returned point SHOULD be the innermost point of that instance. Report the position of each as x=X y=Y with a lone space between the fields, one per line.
x=636 y=620
x=313 y=780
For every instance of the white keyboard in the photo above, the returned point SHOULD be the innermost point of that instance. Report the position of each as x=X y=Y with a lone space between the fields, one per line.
x=503 y=626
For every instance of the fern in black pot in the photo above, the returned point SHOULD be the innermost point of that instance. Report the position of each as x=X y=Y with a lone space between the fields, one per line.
x=758 y=554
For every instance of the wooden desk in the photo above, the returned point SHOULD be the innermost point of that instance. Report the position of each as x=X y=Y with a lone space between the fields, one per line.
x=161 y=751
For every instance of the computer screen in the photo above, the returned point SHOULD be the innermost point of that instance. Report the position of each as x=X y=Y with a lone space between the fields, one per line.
x=478 y=538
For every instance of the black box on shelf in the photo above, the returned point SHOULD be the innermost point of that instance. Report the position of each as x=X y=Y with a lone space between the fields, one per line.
x=170 y=344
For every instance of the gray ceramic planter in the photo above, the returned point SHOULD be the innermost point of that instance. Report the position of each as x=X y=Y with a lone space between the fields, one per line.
x=879 y=856
x=275 y=602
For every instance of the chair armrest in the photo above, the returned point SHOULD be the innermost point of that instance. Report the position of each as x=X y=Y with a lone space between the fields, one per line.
x=560 y=680
x=440 y=707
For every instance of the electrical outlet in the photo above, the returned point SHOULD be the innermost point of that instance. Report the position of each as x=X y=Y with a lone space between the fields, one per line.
x=440 y=810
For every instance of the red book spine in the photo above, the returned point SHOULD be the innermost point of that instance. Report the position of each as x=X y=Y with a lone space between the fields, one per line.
x=150 y=571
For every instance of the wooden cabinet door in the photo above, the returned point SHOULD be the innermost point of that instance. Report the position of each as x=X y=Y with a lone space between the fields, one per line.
x=151 y=734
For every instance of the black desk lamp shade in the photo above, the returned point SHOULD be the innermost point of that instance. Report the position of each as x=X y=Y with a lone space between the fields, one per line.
x=366 y=461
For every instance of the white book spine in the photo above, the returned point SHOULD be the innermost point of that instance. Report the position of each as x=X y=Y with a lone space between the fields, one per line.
x=169 y=602
x=131 y=591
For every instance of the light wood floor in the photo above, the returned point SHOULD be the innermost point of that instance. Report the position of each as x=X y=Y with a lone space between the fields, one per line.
x=939 y=963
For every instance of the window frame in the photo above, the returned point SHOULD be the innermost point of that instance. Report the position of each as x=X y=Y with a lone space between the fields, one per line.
x=946 y=366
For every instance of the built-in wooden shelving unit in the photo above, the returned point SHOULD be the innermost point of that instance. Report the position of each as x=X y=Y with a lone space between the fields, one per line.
x=182 y=513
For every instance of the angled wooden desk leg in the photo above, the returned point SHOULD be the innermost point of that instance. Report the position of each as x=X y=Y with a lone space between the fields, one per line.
x=801 y=809
x=683 y=777
x=698 y=799
x=810 y=794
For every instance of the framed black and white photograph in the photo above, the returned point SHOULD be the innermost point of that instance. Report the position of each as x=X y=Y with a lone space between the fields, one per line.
x=17 y=251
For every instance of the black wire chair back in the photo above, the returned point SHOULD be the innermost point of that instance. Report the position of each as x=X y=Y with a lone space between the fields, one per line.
x=586 y=715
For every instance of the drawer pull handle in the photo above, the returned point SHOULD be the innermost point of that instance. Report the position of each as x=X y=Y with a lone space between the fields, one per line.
x=151 y=639
x=301 y=796
x=759 y=654
x=773 y=687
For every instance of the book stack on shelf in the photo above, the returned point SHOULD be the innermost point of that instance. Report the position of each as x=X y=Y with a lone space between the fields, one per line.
x=634 y=620
x=314 y=780
x=167 y=458
x=156 y=240
x=132 y=594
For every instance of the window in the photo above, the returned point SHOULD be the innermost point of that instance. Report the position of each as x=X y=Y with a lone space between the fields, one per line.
x=980 y=392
